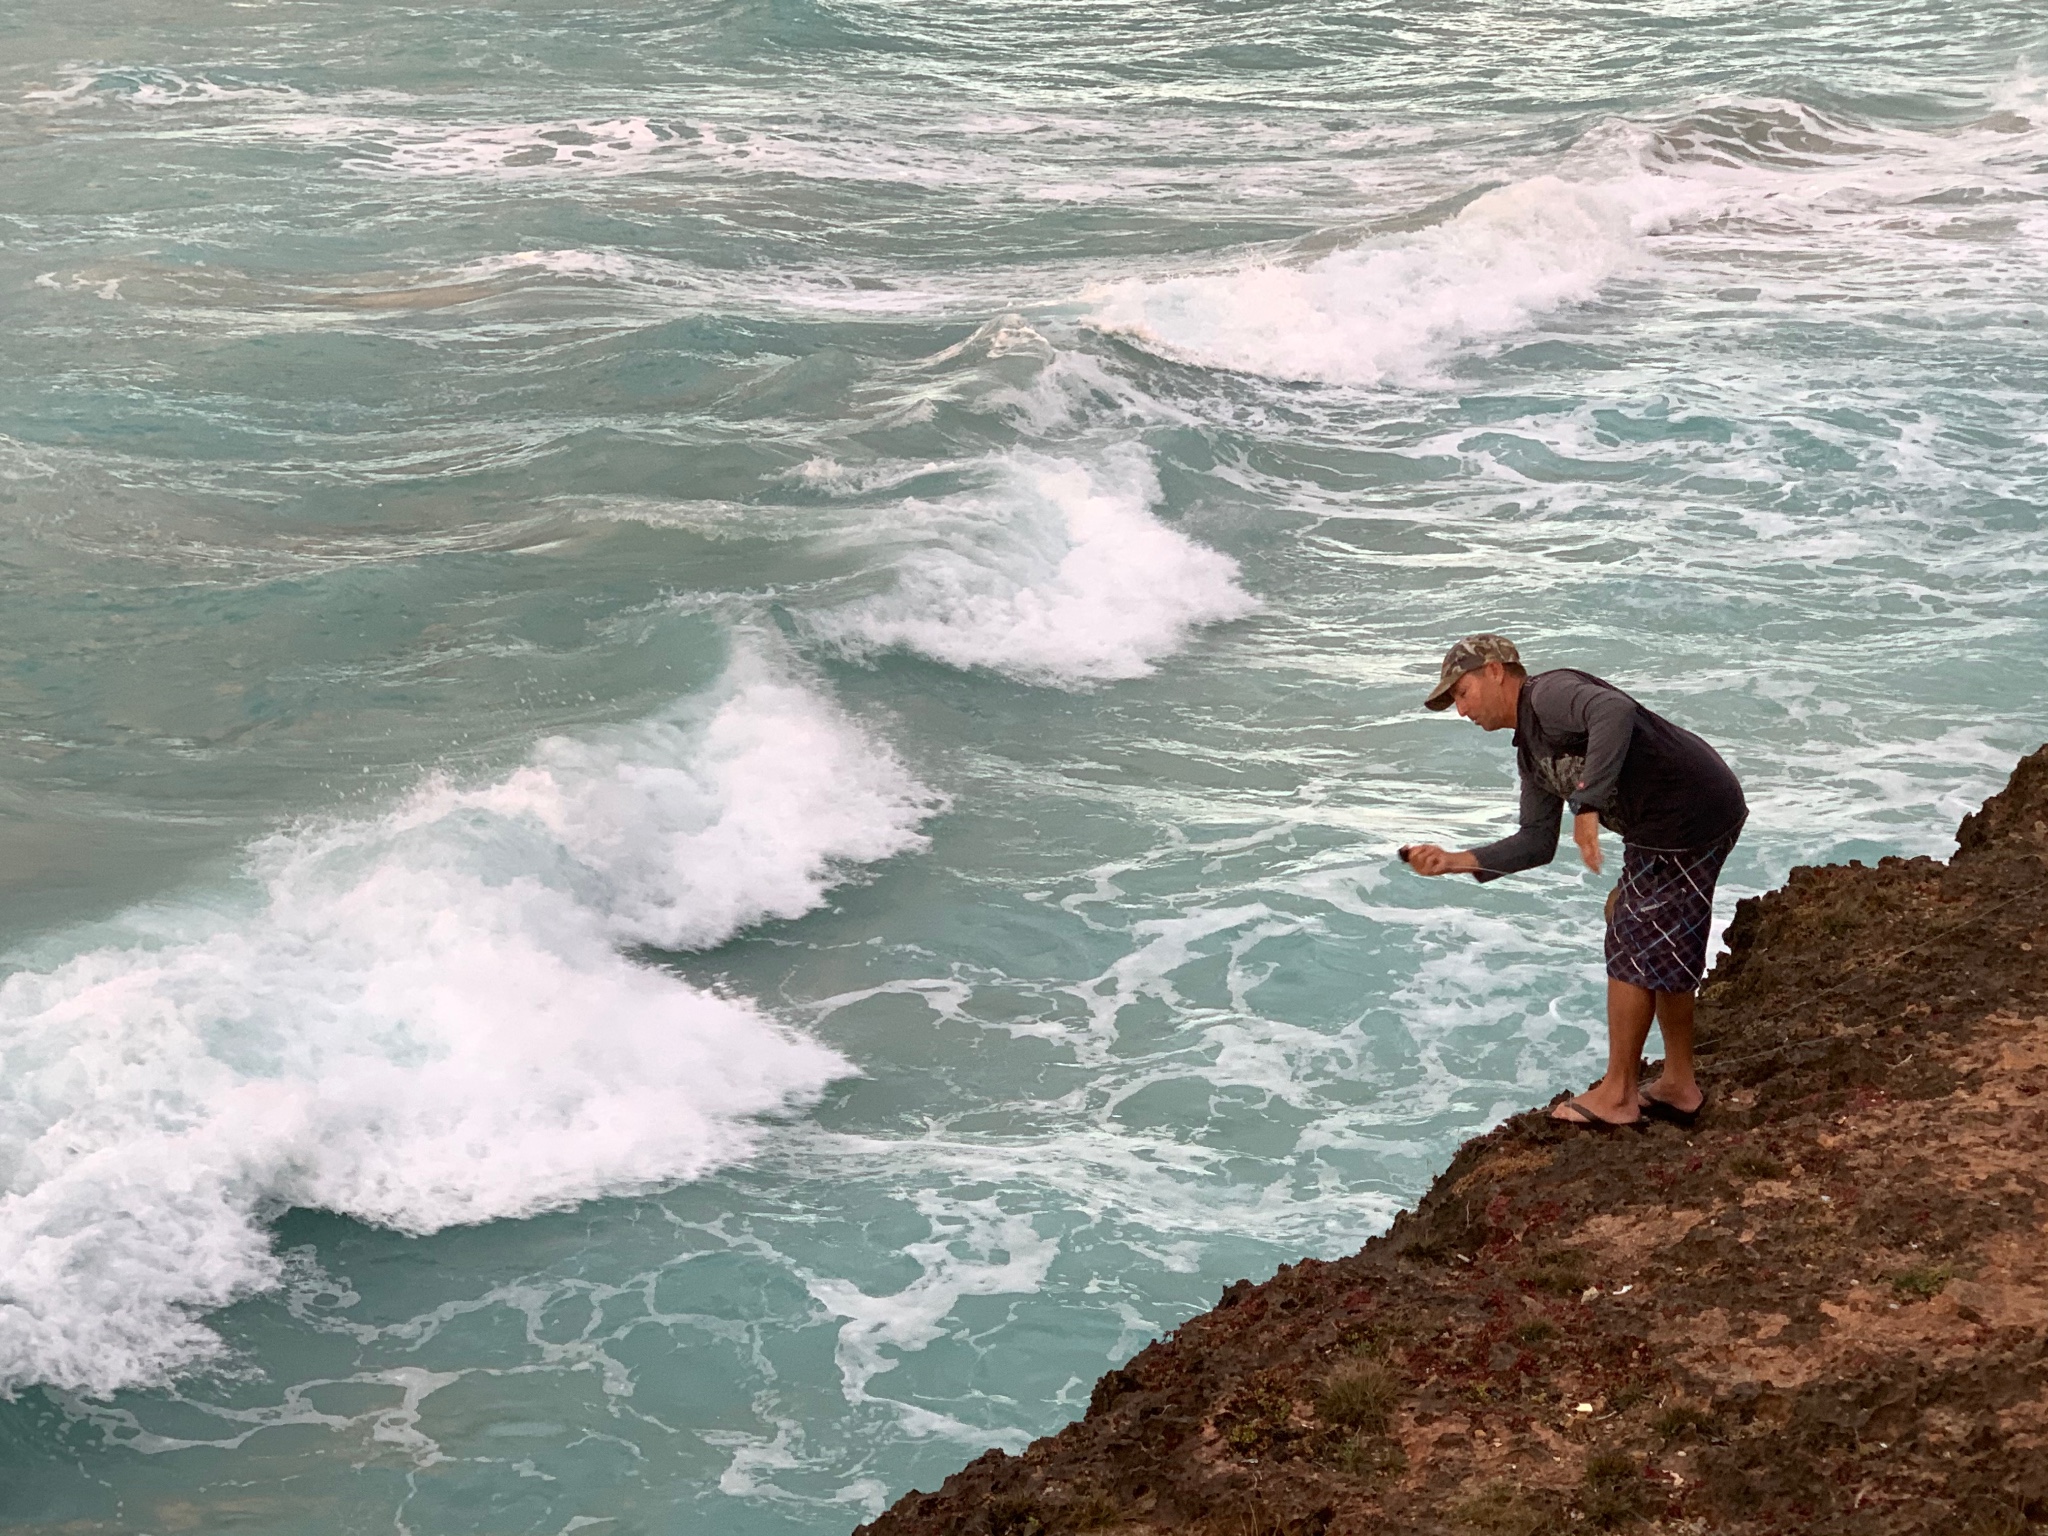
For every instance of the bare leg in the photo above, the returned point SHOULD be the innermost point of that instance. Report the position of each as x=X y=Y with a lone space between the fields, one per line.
x=1677 y=1086
x=1629 y=1011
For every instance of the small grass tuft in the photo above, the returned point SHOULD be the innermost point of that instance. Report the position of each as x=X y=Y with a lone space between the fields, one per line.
x=1922 y=1282
x=1374 y=1339
x=1014 y=1515
x=1681 y=1419
x=1500 y=1509
x=1370 y=1456
x=1254 y=1520
x=1560 y=1271
x=1999 y=1515
x=1535 y=1332
x=1359 y=1394
x=1612 y=1491
x=1626 y=1396
x=1257 y=1420
x=1090 y=1510
x=1755 y=1163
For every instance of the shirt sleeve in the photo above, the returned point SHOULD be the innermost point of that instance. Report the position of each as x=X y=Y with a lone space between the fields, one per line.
x=1531 y=844
x=1608 y=717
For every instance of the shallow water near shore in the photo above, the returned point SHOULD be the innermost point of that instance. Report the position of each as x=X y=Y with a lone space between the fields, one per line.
x=705 y=710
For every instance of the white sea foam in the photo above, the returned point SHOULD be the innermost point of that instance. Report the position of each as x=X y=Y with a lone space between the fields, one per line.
x=421 y=1019
x=147 y=87
x=1391 y=311
x=611 y=145
x=1718 y=194
x=634 y=145
x=1057 y=573
x=1005 y=1255
x=604 y=264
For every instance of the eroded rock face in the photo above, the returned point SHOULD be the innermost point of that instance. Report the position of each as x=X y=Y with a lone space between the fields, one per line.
x=1825 y=1309
x=2014 y=819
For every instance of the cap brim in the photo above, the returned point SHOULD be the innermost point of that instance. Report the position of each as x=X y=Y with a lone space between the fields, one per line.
x=1441 y=699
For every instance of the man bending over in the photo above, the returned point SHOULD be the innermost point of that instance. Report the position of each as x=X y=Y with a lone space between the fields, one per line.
x=1678 y=809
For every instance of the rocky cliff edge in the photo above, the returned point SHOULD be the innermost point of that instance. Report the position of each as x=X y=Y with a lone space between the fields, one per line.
x=1824 y=1309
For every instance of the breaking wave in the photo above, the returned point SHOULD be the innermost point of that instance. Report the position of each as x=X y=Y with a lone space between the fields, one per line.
x=1058 y=573
x=422 y=1019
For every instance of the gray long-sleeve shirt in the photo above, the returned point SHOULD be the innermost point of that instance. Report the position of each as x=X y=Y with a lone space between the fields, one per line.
x=1582 y=742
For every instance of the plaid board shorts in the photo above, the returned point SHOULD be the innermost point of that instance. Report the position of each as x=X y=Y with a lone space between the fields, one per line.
x=1660 y=915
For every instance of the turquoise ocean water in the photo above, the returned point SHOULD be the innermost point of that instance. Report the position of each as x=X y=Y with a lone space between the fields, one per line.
x=703 y=705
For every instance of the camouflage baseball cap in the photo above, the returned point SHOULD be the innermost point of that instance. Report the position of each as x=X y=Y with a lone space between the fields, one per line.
x=1468 y=655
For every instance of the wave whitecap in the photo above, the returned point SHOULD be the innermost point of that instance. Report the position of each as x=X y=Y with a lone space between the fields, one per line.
x=1057 y=573
x=1393 y=312
x=143 y=86
x=419 y=1020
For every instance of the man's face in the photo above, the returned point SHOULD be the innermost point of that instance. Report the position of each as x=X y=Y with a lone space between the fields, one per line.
x=1484 y=696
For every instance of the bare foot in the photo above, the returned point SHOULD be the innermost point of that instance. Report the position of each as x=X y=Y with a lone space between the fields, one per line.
x=1685 y=1100
x=1588 y=1112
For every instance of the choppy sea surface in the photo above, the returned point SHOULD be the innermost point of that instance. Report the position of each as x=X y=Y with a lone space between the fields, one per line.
x=703 y=705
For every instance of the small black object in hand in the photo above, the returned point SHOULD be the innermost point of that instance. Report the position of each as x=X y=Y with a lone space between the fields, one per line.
x=1404 y=850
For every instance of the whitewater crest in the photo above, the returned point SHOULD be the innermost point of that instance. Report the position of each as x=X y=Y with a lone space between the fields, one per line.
x=422 y=1019
x=1392 y=312
x=1056 y=572
x=153 y=87
x=1714 y=192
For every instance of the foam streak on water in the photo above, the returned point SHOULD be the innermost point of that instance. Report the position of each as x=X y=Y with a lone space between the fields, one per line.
x=702 y=715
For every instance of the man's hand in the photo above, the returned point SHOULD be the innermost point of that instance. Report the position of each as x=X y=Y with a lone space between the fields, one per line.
x=1428 y=859
x=1586 y=833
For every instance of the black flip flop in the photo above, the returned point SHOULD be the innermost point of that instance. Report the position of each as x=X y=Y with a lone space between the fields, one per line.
x=1592 y=1122
x=1684 y=1119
